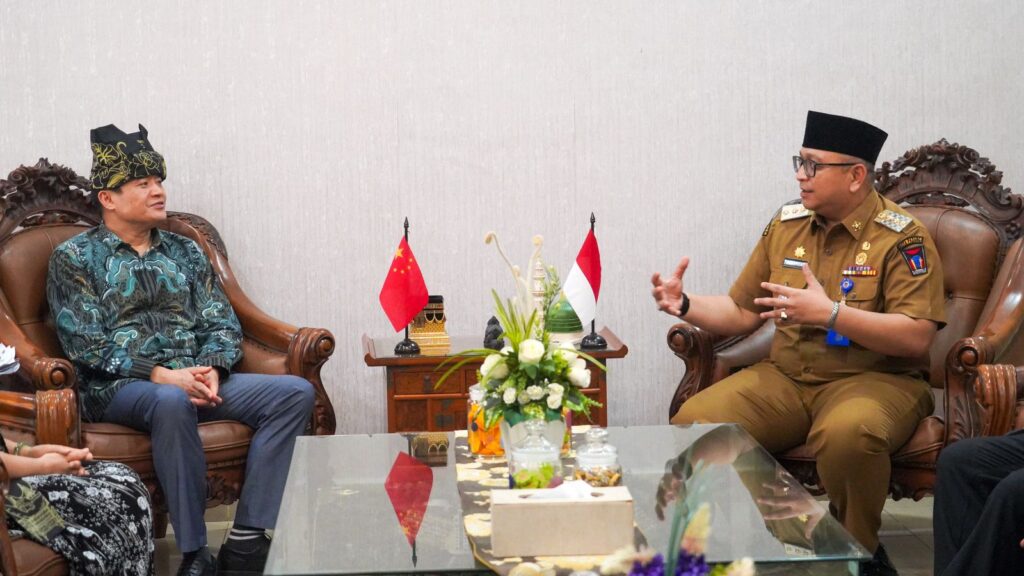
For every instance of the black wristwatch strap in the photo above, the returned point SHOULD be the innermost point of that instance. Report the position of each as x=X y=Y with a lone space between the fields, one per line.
x=685 y=306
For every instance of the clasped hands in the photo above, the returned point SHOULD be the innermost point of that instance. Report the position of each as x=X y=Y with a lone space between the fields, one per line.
x=201 y=383
x=57 y=459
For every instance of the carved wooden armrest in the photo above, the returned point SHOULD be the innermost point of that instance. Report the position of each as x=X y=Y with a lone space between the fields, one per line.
x=996 y=390
x=695 y=347
x=305 y=349
x=709 y=357
x=48 y=416
x=1002 y=318
x=41 y=371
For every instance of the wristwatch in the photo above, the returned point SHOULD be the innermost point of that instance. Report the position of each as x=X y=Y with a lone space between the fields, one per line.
x=685 y=306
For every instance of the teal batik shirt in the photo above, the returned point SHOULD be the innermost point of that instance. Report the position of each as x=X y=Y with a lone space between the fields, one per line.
x=118 y=314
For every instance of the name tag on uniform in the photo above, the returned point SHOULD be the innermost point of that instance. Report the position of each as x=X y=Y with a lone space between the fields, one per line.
x=793 y=263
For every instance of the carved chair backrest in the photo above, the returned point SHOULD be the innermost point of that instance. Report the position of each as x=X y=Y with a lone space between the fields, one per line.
x=973 y=219
x=42 y=206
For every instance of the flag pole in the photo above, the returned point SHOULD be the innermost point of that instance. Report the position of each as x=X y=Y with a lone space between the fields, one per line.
x=407 y=346
x=593 y=341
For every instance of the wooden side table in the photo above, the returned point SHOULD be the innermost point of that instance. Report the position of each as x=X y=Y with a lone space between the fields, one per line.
x=415 y=406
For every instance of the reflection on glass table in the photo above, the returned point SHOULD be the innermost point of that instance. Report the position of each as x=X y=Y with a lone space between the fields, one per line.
x=338 y=516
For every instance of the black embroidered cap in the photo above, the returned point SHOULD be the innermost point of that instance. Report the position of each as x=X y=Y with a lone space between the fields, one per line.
x=118 y=157
x=843 y=135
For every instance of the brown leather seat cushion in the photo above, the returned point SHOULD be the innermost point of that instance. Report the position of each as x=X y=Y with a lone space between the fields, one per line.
x=223 y=441
x=34 y=559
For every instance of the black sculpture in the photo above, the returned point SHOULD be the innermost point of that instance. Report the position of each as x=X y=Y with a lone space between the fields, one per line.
x=493 y=335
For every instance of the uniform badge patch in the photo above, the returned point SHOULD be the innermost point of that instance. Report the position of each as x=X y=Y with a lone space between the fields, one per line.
x=794 y=211
x=793 y=263
x=893 y=220
x=912 y=249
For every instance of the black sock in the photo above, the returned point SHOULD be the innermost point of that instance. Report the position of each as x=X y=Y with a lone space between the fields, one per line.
x=188 y=557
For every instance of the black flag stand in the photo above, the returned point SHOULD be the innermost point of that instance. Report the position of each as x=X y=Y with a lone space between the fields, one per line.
x=593 y=341
x=407 y=346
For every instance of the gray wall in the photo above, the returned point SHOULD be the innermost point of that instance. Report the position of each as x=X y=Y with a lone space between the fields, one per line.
x=306 y=130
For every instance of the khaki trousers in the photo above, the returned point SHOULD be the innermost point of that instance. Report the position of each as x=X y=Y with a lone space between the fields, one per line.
x=853 y=425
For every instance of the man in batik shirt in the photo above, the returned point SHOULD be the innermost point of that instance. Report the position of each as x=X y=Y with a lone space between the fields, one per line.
x=142 y=316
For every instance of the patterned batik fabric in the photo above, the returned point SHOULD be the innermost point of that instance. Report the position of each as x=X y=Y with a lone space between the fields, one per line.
x=118 y=157
x=118 y=314
x=109 y=521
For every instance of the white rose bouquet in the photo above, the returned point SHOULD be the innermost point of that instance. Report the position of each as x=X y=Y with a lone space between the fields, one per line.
x=529 y=378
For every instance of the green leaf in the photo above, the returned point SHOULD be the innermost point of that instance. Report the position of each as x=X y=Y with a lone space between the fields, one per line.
x=461 y=359
x=513 y=416
x=531 y=370
x=592 y=360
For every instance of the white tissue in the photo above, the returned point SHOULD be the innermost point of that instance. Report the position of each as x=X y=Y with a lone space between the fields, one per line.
x=8 y=361
x=571 y=490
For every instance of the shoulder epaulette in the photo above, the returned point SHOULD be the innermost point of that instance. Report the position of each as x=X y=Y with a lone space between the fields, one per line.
x=793 y=212
x=893 y=220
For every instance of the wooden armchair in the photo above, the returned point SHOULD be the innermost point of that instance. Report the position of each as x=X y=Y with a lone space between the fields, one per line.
x=45 y=204
x=976 y=224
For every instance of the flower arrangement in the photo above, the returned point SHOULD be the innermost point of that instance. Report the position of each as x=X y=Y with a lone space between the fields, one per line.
x=689 y=562
x=529 y=378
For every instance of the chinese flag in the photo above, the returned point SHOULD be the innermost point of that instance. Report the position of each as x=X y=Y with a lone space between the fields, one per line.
x=408 y=485
x=404 y=293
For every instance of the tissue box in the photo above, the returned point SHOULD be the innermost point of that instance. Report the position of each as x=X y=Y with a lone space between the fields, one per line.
x=526 y=523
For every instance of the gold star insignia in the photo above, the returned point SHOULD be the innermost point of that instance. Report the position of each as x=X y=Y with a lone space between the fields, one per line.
x=800 y=252
x=857 y=224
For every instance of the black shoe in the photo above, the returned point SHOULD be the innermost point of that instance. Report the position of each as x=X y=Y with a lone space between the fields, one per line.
x=202 y=563
x=880 y=565
x=244 y=557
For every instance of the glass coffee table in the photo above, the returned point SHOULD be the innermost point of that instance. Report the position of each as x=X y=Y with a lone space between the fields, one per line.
x=341 y=512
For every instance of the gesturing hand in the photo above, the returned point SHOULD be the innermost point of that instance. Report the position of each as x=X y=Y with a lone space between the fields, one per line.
x=784 y=499
x=797 y=305
x=669 y=293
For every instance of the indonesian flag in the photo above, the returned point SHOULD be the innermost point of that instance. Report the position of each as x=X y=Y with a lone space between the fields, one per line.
x=584 y=281
x=404 y=293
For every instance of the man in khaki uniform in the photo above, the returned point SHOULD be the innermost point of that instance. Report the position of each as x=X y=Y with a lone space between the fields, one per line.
x=854 y=285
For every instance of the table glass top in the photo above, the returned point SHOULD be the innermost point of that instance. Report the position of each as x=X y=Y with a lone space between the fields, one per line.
x=340 y=514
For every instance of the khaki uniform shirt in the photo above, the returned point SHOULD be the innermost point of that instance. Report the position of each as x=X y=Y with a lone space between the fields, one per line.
x=878 y=237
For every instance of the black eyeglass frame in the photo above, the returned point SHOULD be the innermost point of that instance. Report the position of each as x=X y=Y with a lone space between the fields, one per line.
x=811 y=167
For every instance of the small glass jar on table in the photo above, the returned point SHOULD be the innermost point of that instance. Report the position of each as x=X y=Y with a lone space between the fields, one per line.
x=484 y=442
x=535 y=462
x=597 y=462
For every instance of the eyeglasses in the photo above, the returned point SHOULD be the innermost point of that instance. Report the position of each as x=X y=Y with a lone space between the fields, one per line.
x=811 y=167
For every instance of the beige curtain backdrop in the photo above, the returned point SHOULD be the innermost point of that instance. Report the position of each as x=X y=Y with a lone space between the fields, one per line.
x=307 y=130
